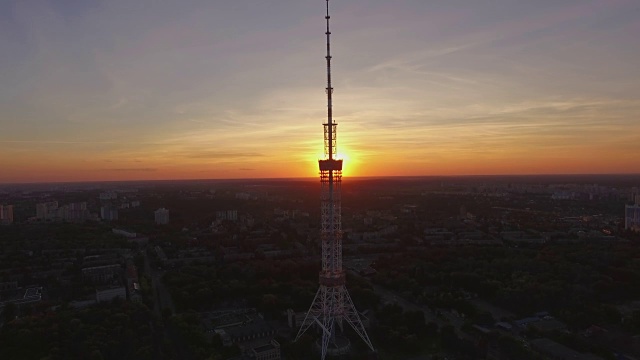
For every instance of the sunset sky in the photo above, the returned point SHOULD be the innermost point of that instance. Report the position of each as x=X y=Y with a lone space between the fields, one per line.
x=195 y=89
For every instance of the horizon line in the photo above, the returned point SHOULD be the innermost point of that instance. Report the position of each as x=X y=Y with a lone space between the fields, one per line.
x=309 y=178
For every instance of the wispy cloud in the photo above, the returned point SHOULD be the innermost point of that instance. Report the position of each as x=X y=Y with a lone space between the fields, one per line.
x=216 y=154
x=55 y=142
x=132 y=169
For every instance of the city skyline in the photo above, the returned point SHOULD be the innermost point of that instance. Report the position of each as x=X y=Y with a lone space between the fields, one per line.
x=195 y=89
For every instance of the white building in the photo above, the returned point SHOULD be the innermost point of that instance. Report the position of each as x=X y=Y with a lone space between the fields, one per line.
x=6 y=214
x=162 y=216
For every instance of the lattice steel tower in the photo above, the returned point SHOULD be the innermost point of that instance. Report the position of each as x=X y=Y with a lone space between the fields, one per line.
x=332 y=303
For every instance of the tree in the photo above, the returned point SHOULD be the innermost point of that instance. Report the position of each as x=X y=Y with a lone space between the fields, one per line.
x=9 y=313
x=449 y=338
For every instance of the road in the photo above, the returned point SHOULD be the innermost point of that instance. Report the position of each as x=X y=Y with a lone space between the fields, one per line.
x=162 y=297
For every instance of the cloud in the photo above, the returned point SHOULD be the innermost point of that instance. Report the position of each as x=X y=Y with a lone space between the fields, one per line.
x=216 y=154
x=55 y=142
x=132 y=169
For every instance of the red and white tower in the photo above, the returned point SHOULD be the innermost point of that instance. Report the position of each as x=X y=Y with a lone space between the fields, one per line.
x=332 y=304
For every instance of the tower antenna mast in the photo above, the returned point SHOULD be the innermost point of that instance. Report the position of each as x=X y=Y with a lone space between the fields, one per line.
x=332 y=304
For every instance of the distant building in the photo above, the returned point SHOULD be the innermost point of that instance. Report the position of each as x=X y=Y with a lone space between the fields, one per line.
x=562 y=195
x=108 y=213
x=108 y=195
x=632 y=217
x=47 y=211
x=75 y=212
x=229 y=215
x=243 y=196
x=6 y=214
x=162 y=216
x=50 y=211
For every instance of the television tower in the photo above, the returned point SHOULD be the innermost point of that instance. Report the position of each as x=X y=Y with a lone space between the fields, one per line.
x=332 y=304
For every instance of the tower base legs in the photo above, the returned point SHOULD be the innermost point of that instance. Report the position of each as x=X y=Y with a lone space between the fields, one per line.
x=332 y=305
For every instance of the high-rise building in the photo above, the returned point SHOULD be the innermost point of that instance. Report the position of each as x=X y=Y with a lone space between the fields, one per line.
x=75 y=212
x=162 y=216
x=47 y=211
x=635 y=196
x=50 y=211
x=6 y=214
x=332 y=305
x=632 y=217
x=109 y=213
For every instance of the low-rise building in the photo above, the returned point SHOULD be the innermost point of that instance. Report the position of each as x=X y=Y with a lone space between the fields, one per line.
x=101 y=274
x=269 y=351
x=295 y=319
x=110 y=293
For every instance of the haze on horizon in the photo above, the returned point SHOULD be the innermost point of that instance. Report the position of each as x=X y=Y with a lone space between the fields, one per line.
x=121 y=90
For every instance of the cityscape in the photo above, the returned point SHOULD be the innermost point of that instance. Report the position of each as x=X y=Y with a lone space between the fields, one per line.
x=169 y=211
x=497 y=267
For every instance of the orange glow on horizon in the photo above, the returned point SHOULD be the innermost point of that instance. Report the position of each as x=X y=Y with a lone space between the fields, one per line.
x=34 y=166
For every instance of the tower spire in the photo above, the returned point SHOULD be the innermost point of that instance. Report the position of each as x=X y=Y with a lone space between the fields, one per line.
x=331 y=141
x=332 y=304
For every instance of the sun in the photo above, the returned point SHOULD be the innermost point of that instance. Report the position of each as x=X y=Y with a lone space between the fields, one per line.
x=346 y=163
x=343 y=154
